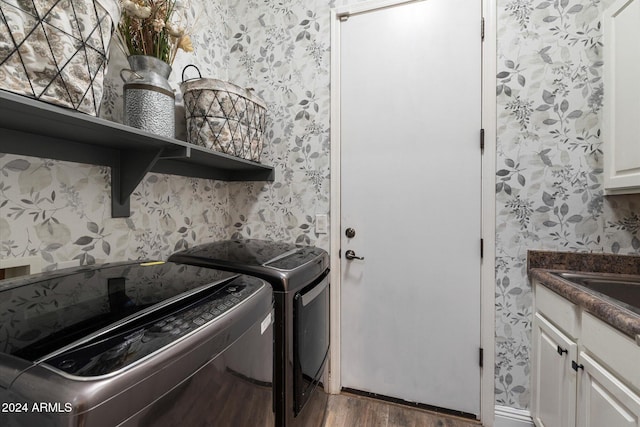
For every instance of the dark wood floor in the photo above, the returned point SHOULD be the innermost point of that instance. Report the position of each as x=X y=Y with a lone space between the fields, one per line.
x=231 y=401
x=347 y=410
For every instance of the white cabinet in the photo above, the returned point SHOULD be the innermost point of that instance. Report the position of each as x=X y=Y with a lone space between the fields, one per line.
x=554 y=389
x=621 y=107
x=603 y=400
x=584 y=372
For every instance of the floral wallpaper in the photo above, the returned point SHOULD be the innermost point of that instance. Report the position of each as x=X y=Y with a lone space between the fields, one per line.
x=549 y=182
x=282 y=49
x=60 y=211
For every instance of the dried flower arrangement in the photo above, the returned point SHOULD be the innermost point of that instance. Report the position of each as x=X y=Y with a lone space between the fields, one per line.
x=154 y=28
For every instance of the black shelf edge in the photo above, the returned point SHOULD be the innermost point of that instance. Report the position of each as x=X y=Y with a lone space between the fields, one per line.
x=35 y=128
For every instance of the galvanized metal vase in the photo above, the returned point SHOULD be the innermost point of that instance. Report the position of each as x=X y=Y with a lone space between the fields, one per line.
x=149 y=101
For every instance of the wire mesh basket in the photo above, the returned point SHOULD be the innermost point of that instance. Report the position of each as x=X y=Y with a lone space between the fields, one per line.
x=224 y=117
x=56 y=50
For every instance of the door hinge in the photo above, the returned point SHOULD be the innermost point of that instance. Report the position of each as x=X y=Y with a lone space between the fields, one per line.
x=481 y=248
x=481 y=139
x=482 y=29
x=481 y=357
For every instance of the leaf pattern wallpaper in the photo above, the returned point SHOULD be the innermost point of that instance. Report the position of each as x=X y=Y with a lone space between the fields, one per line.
x=549 y=181
x=60 y=211
x=549 y=155
x=282 y=50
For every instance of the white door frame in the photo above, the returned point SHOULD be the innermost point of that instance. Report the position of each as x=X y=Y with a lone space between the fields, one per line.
x=487 y=279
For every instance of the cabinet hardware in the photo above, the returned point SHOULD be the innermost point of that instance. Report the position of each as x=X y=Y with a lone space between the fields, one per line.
x=575 y=366
x=561 y=350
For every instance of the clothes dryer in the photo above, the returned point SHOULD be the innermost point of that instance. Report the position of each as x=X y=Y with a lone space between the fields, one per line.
x=299 y=276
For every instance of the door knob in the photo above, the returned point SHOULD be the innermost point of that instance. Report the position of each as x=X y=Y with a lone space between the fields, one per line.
x=350 y=233
x=352 y=255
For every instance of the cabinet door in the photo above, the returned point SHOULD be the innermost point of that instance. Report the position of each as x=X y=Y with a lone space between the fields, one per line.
x=603 y=400
x=554 y=381
x=621 y=107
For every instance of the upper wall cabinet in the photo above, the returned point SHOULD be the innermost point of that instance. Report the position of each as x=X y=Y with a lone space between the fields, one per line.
x=621 y=121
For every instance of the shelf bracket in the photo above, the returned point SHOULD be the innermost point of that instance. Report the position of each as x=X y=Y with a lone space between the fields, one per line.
x=126 y=173
x=175 y=153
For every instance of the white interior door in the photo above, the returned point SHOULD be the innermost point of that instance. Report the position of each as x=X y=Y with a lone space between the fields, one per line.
x=410 y=104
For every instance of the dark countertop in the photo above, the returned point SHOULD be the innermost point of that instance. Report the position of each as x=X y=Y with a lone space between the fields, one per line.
x=541 y=264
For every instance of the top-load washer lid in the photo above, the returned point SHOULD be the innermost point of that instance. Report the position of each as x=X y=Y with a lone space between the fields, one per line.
x=107 y=343
x=286 y=266
x=41 y=315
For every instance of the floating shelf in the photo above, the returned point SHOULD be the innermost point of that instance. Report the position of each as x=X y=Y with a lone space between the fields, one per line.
x=34 y=128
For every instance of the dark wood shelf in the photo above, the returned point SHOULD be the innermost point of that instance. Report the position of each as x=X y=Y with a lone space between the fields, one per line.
x=34 y=128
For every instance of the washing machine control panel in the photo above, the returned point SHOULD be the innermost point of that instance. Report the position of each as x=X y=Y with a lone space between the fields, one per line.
x=140 y=337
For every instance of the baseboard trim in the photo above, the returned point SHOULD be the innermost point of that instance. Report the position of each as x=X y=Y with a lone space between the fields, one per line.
x=510 y=417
